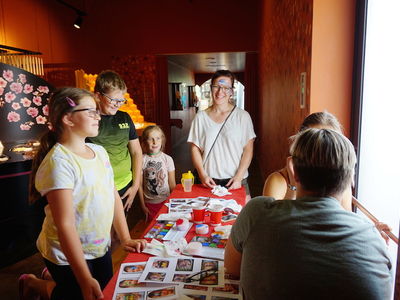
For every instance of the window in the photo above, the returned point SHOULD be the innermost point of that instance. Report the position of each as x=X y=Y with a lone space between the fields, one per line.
x=378 y=113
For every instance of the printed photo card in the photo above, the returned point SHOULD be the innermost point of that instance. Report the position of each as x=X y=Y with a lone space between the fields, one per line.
x=184 y=269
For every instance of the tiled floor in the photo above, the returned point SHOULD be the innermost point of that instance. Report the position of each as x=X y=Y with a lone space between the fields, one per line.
x=181 y=156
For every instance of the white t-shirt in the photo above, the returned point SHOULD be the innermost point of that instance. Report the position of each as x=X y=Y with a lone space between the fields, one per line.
x=225 y=156
x=155 y=177
x=92 y=185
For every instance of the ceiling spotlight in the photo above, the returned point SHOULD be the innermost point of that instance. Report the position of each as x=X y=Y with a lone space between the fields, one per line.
x=78 y=22
x=80 y=14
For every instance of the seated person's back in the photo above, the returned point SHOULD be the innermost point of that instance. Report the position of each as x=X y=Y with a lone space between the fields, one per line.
x=310 y=248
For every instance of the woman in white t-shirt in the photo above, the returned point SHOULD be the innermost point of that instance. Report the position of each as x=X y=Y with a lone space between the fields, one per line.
x=221 y=138
x=78 y=182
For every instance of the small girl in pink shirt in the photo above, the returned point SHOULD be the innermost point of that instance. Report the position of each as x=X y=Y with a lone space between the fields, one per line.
x=158 y=172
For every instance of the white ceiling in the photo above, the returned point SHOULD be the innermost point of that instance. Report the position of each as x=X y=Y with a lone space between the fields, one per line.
x=211 y=62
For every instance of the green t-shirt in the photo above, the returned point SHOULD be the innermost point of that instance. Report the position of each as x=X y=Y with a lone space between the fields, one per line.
x=115 y=132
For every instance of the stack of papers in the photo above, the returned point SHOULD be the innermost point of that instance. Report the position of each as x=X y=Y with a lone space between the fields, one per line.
x=175 y=278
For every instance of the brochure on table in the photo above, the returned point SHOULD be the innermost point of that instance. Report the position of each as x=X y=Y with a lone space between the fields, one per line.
x=129 y=286
x=230 y=290
x=200 y=271
x=184 y=205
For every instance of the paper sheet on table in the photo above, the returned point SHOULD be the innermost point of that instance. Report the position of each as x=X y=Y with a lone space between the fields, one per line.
x=230 y=203
x=129 y=287
x=231 y=290
x=184 y=205
x=179 y=269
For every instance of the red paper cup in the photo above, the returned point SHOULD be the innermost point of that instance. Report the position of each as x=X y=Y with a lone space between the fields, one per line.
x=198 y=213
x=216 y=214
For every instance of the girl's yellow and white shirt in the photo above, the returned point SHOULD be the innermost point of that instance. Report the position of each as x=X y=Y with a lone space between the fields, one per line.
x=92 y=185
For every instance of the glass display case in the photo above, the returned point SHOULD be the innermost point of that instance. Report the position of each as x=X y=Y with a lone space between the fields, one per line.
x=23 y=118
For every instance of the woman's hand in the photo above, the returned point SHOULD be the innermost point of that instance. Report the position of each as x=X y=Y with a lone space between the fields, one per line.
x=91 y=289
x=207 y=181
x=290 y=192
x=134 y=245
x=382 y=227
x=234 y=183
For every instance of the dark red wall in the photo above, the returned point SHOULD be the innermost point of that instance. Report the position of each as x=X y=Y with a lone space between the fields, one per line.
x=118 y=28
x=173 y=26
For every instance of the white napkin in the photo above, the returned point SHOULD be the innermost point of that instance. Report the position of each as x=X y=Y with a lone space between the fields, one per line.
x=220 y=191
x=175 y=248
x=173 y=216
x=166 y=249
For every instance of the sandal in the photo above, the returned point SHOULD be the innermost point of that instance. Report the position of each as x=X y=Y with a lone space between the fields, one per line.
x=45 y=275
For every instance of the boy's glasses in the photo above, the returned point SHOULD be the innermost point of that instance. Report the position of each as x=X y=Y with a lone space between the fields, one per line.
x=201 y=275
x=114 y=101
x=93 y=113
x=222 y=88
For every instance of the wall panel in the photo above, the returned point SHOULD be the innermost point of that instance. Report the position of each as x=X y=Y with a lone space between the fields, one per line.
x=285 y=52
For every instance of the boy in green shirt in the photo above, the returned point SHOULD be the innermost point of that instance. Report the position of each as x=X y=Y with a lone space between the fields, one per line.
x=117 y=134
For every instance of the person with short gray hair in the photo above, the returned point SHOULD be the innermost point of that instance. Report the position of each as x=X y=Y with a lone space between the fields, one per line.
x=310 y=248
x=324 y=161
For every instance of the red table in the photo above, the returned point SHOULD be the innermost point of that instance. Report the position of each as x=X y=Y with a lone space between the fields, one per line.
x=198 y=190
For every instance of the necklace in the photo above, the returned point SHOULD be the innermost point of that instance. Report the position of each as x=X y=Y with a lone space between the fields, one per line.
x=154 y=154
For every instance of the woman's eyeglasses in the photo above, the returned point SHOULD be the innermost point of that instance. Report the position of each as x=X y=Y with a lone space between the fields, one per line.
x=114 y=101
x=93 y=112
x=201 y=275
x=222 y=88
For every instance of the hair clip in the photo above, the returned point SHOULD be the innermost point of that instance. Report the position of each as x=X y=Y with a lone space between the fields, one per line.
x=70 y=102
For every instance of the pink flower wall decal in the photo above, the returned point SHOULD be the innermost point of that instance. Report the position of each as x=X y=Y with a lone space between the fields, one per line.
x=37 y=100
x=8 y=75
x=16 y=106
x=24 y=127
x=32 y=111
x=43 y=89
x=22 y=78
x=25 y=102
x=9 y=97
x=41 y=120
x=3 y=83
x=28 y=88
x=16 y=87
x=45 y=110
x=13 y=116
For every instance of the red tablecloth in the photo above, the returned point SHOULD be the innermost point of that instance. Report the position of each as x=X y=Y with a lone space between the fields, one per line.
x=198 y=190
